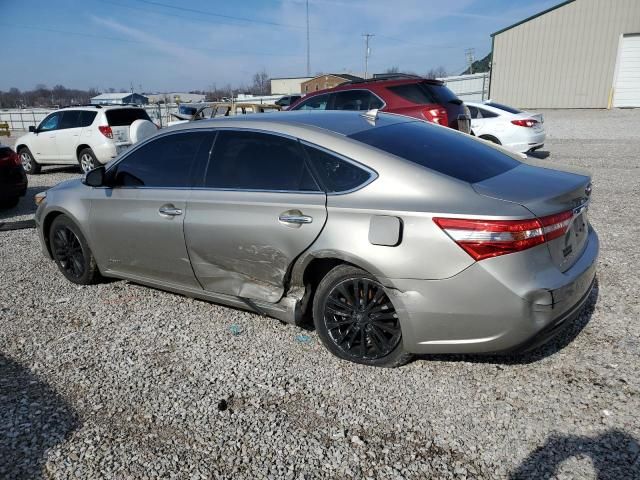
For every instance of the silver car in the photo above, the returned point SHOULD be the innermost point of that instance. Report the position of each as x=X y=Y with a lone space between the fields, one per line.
x=395 y=236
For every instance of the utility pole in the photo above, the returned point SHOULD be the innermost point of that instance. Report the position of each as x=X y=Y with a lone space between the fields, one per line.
x=367 y=53
x=308 y=44
x=470 y=54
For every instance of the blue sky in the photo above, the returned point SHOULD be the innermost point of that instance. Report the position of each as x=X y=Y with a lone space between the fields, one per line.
x=164 y=45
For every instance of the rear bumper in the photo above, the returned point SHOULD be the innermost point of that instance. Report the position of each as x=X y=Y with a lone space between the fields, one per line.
x=487 y=308
x=527 y=142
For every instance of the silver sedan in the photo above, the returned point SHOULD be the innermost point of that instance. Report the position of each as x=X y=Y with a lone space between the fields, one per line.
x=393 y=235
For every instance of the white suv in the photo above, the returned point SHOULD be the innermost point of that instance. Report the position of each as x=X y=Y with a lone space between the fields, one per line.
x=88 y=136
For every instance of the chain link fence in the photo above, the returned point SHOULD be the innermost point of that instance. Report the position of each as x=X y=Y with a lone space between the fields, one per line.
x=20 y=119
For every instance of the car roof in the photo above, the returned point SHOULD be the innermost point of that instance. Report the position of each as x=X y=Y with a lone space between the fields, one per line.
x=374 y=84
x=341 y=122
x=94 y=108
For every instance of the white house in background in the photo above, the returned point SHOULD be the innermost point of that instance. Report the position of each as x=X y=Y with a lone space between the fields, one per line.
x=287 y=85
x=175 y=97
x=119 y=99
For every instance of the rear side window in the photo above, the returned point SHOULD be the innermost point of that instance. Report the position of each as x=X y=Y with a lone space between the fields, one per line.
x=70 y=119
x=439 y=149
x=484 y=113
x=258 y=161
x=125 y=116
x=503 y=107
x=87 y=117
x=414 y=93
x=163 y=163
x=337 y=175
x=355 y=100
x=319 y=102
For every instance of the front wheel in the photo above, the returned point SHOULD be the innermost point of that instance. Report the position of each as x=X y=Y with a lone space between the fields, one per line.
x=87 y=160
x=71 y=252
x=356 y=320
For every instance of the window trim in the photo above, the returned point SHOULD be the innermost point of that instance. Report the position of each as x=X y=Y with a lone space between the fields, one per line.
x=373 y=175
x=321 y=191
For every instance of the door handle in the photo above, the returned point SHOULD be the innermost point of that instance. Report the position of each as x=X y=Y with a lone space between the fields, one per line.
x=170 y=211
x=295 y=219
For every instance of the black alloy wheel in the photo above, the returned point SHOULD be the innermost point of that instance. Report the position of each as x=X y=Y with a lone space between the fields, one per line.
x=72 y=253
x=67 y=250
x=361 y=320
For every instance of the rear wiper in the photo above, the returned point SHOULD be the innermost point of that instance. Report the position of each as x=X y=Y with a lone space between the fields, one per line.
x=456 y=101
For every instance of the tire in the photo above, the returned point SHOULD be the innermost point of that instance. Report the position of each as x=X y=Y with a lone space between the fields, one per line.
x=28 y=162
x=87 y=160
x=9 y=202
x=490 y=138
x=370 y=334
x=71 y=252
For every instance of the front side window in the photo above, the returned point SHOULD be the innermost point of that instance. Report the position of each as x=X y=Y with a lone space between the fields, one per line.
x=319 y=102
x=50 y=123
x=244 y=160
x=163 y=163
x=70 y=119
x=356 y=100
x=337 y=175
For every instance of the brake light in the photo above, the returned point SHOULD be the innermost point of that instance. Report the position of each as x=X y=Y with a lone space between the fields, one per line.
x=528 y=122
x=10 y=158
x=106 y=131
x=491 y=238
x=436 y=115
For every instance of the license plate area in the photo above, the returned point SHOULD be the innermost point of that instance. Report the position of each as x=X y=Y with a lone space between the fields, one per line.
x=464 y=124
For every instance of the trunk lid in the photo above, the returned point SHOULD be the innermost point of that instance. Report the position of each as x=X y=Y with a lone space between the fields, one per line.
x=547 y=192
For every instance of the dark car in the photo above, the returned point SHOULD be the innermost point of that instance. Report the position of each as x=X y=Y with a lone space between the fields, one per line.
x=417 y=97
x=13 y=180
x=288 y=100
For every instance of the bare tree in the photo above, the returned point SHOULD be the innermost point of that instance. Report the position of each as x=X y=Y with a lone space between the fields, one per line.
x=438 y=72
x=260 y=83
x=394 y=69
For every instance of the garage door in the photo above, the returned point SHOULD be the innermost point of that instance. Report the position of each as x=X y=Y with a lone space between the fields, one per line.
x=627 y=89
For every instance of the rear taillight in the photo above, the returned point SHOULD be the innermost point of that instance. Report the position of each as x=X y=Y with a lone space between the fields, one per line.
x=528 y=122
x=106 y=131
x=491 y=238
x=9 y=157
x=436 y=115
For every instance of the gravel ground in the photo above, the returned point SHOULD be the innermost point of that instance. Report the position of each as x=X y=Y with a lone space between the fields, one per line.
x=122 y=381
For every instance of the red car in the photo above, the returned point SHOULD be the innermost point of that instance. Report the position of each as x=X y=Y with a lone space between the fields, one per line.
x=415 y=97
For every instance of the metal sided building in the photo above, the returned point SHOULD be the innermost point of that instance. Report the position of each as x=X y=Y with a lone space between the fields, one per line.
x=578 y=54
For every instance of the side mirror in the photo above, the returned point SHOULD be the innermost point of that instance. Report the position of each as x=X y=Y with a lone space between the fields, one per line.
x=32 y=129
x=95 y=178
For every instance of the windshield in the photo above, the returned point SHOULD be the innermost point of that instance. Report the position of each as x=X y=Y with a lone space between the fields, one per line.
x=125 y=116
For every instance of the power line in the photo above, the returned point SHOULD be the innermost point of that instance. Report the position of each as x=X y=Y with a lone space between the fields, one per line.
x=116 y=39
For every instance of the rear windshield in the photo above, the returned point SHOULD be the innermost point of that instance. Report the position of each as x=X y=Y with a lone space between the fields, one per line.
x=503 y=107
x=125 y=116
x=425 y=93
x=439 y=149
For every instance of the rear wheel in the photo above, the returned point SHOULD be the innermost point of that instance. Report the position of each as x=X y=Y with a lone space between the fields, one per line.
x=28 y=162
x=356 y=320
x=490 y=138
x=71 y=252
x=87 y=160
